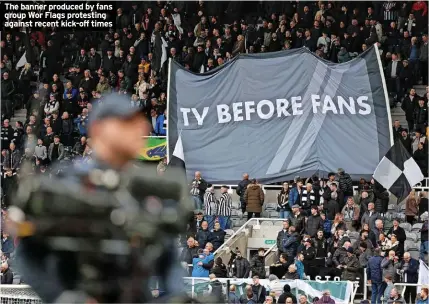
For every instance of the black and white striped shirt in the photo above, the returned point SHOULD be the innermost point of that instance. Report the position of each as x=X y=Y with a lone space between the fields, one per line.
x=210 y=203
x=225 y=205
x=307 y=198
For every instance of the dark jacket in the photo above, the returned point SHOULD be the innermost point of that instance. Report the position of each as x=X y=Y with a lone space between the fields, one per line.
x=285 y=295
x=7 y=277
x=241 y=189
x=408 y=106
x=331 y=208
x=346 y=184
x=188 y=254
x=202 y=237
x=260 y=292
x=257 y=265
x=217 y=238
x=313 y=224
x=289 y=244
x=421 y=115
x=411 y=271
x=374 y=270
x=241 y=268
x=219 y=271
x=339 y=257
x=350 y=273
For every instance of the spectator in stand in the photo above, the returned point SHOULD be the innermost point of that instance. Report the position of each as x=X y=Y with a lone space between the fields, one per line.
x=411 y=208
x=257 y=264
x=254 y=198
x=375 y=276
x=424 y=245
x=350 y=213
x=313 y=222
x=6 y=274
x=369 y=217
x=259 y=289
x=210 y=206
x=345 y=184
x=224 y=208
x=423 y=298
x=198 y=188
x=283 y=206
x=408 y=270
x=217 y=236
x=241 y=189
x=240 y=266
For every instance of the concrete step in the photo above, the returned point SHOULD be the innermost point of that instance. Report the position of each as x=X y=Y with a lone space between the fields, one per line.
x=20 y=115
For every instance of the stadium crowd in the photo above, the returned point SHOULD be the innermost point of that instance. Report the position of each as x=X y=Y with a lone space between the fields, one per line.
x=65 y=73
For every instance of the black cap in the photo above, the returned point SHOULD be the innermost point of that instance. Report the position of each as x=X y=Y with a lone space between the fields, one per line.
x=114 y=106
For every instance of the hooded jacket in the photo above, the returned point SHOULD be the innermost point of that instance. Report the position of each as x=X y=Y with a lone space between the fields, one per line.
x=254 y=197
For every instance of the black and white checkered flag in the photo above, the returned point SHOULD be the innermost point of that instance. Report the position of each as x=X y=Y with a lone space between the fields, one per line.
x=398 y=172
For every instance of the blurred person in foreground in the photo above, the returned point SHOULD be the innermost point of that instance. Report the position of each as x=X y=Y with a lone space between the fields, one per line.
x=108 y=194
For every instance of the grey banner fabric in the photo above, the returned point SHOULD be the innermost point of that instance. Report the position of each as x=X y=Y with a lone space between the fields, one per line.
x=278 y=115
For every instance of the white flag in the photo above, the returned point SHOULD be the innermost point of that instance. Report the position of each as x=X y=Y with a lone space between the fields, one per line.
x=164 y=52
x=423 y=275
x=21 y=62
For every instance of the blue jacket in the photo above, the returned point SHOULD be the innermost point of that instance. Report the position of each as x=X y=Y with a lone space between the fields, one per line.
x=159 y=126
x=293 y=197
x=420 y=301
x=74 y=93
x=199 y=271
x=300 y=269
x=7 y=245
x=412 y=271
x=374 y=270
x=82 y=125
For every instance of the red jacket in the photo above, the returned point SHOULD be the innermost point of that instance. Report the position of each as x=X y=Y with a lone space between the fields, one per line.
x=420 y=5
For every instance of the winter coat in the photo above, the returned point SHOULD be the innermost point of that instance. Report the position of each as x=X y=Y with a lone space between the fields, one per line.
x=298 y=221
x=241 y=268
x=350 y=273
x=389 y=267
x=257 y=265
x=217 y=238
x=254 y=197
x=421 y=115
x=331 y=208
x=241 y=189
x=289 y=244
x=219 y=271
x=374 y=270
x=339 y=257
x=188 y=254
x=370 y=220
x=60 y=151
x=321 y=246
x=412 y=270
x=202 y=237
x=313 y=224
x=346 y=184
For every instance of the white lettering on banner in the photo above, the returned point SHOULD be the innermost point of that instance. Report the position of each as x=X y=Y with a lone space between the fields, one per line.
x=259 y=109
x=267 y=109
x=222 y=113
x=198 y=117
x=367 y=107
x=296 y=106
x=238 y=111
x=248 y=109
x=282 y=105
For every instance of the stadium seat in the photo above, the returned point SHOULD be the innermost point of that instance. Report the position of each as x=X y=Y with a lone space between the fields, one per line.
x=416 y=227
x=410 y=245
x=266 y=223
x=16 y=278
x=411 y=236
x=392 y=207
x=274 y=214
x=265 y=214
x=229 y=232
x=406 y=226
x=415 y=254
x=271 y=206
x=236 y=205
x=278 y=223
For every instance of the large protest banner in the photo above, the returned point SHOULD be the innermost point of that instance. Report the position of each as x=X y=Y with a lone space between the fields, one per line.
x=278 y=115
